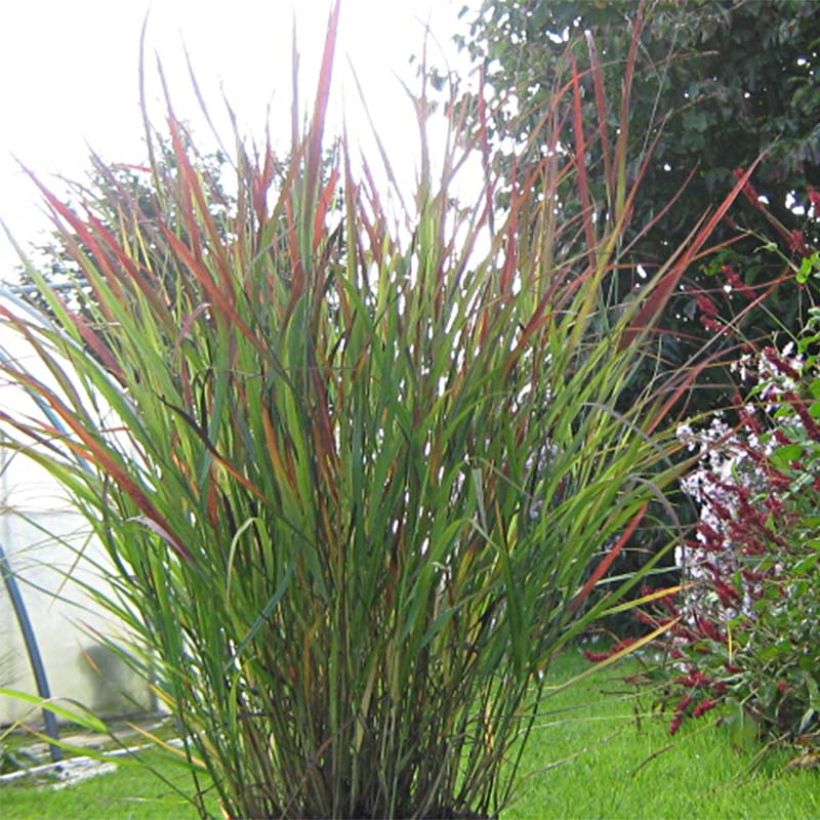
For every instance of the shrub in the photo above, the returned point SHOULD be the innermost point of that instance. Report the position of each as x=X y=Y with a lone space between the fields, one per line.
x=748 y=634
x=356 y=489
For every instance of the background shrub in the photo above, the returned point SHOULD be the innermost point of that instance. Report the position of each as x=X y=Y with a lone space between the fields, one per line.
x=748 y=634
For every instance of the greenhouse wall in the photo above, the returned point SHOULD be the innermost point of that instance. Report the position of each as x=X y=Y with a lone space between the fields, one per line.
x=51 y=553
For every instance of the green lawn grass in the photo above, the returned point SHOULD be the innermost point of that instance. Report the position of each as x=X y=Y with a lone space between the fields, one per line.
x=612 y=767
x=133 y=791
x=617 y=767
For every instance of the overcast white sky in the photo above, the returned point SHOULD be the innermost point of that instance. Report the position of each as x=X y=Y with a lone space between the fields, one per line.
x=69 y=80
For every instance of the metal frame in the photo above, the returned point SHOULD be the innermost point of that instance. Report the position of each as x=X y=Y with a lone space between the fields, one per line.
x=33 y=650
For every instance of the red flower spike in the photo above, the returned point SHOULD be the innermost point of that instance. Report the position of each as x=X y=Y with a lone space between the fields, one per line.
x=749 y=417
x=706 y=305
x=781 y=438
x=774 y=505
x=645 y=618
x=683 y=704
x=668 y=604
x=733 y=278
x=704 y=706
x=624 y=644
x=727 y=593
x=708 y=532
x=721 y=509
x=780 y=363
x=711 y=631
x=754 y=547
x=797 y=244
x=809 y=423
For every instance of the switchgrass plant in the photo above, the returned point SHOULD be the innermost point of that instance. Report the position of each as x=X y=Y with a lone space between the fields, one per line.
x=356 y=489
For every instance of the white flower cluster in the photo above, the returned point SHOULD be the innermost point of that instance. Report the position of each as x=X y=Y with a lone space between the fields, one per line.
x=725 y=463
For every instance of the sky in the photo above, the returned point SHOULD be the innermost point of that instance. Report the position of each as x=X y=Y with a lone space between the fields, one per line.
x=70 y=78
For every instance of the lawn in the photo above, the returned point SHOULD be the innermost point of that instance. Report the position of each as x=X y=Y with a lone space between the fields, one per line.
x=621 y=762
x=588 y=757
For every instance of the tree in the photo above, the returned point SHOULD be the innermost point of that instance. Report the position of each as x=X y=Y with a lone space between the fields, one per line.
x=720 y=83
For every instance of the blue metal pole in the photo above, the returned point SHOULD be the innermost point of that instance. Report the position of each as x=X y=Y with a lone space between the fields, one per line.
x=33 y=650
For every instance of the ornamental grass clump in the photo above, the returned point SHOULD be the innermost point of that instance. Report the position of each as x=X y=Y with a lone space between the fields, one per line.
x=356 y=488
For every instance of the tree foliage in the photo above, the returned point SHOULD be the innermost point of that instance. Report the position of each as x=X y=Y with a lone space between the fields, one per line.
x=719 y=84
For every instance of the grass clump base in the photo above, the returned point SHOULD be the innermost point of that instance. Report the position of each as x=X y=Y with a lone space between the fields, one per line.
x=613 y=767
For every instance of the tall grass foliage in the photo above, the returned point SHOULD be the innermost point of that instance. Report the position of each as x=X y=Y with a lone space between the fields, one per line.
x=357 y=490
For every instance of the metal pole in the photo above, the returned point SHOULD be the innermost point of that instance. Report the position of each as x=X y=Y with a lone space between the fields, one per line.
x=33 y=650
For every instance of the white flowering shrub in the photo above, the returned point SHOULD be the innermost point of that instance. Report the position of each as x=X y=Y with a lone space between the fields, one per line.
x=749 y=611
